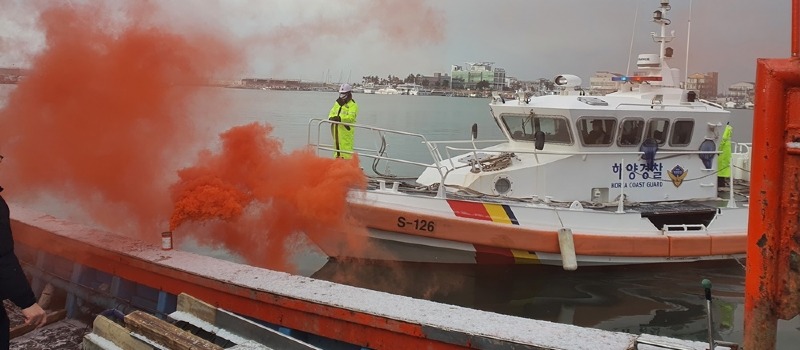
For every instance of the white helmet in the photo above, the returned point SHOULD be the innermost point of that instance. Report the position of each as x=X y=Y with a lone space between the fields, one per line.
x=345 y=88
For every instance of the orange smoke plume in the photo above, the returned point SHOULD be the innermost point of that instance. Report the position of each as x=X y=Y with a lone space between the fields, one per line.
x=259 y=197
x=104 y=118
x=99 y=121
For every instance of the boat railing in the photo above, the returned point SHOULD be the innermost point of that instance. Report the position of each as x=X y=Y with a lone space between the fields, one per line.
x=740 y=160
x=742 y=147
x=568 y=153
x=378 y=153
x=665 y=106
x=711 y=103
x=677 y=228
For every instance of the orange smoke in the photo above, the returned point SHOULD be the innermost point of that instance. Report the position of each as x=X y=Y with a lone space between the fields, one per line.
x=104 y=112
x=104 y=119
x=396 y=24
x=260 y=197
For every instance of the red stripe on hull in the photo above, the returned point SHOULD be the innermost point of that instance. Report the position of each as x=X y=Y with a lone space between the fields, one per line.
x=491 y=255
x=469 y=210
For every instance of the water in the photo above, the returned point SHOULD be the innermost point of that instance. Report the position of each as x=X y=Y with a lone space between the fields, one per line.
x=656 y=299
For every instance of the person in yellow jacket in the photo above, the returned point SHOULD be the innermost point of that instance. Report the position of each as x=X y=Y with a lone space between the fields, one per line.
x=724 y=160
x=344 y=110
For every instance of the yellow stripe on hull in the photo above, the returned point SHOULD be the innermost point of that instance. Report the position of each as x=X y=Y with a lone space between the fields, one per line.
x=497 y=213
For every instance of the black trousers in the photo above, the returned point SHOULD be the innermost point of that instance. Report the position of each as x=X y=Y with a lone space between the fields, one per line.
x=5 y=328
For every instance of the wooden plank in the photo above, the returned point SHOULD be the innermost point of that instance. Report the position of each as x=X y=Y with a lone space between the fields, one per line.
x=250 y=330
x=52 y=317
x=93 y=342
x=197 y=307
x=117 y=334
x=234 y=324
x=165 y=333
x=46 y=298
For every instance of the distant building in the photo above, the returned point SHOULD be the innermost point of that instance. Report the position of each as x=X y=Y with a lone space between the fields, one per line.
x=704 y=84
x=437 y=80
x=741 y=92
x=469 y=76
x=284 y=84
x=601 y=84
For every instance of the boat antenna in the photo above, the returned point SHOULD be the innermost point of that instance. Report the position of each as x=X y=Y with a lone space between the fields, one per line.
x=633 y=32
x=688 y=37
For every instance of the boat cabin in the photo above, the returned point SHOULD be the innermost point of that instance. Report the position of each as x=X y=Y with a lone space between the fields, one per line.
x=648 y=142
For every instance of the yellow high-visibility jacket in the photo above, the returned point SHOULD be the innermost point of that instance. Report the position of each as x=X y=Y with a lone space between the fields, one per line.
x=724 y=160
x=343 y=135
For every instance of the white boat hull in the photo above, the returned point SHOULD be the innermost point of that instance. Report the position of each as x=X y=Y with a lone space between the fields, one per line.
x=417 y=228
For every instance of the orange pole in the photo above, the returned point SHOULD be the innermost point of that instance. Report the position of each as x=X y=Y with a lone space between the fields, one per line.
x=775 y=184
x=795 y=28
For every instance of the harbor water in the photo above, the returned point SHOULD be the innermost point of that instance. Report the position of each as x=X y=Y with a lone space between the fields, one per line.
x=663 y=299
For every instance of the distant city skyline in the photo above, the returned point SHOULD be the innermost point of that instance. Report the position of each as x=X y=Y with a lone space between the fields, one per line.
x=530 y=39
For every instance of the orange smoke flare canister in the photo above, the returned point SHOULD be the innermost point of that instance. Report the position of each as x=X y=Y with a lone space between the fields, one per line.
x=166 y=240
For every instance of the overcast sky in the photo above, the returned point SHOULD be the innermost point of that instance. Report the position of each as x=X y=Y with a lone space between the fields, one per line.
x=341 y=39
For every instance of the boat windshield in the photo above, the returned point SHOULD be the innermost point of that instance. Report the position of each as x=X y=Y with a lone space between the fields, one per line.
x=522 y=127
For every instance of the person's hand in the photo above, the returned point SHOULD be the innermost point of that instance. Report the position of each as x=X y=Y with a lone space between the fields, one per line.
x=336 y=118
x=34 y=315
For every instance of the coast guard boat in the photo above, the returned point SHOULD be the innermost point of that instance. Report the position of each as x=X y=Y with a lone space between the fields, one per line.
x=630 y=177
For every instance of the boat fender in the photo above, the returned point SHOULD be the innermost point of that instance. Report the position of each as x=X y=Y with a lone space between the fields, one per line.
x=567 y=246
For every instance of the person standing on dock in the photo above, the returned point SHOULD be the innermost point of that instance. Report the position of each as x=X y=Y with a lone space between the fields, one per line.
x=13 y=283
x=344 y=110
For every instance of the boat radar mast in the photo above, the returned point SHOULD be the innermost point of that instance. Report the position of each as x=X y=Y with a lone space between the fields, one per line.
x=653 y=68
x=668 y=76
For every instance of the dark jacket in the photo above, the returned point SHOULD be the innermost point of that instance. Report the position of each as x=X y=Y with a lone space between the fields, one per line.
x=13 y=283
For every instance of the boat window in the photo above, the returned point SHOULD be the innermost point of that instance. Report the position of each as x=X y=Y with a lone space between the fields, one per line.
x=555 y=128
x=522 y=127
x=630 y=132
x=597 y=131
x=657 y=130
x=519 y=126
x=681 y=133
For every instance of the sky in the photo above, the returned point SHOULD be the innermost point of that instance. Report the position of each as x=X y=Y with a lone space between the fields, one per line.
x=345 y=40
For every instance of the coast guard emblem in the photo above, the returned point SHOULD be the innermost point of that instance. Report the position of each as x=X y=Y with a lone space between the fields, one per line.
x=677 y=174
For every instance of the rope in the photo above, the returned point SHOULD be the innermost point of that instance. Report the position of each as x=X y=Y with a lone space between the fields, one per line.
x=495 y=163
